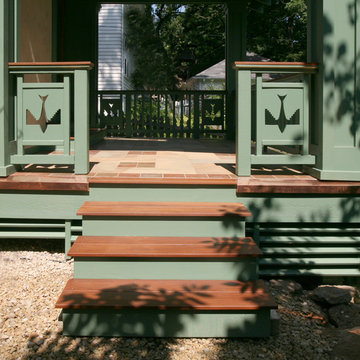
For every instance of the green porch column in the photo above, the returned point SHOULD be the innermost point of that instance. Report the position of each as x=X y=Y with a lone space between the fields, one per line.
x=6 y=55
x=236 y=24
x=334 y=42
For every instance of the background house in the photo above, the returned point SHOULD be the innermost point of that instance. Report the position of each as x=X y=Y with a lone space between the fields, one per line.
x=115 y=62
x=213 y=78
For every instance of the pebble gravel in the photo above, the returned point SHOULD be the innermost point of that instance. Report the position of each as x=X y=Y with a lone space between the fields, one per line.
x=33 y=274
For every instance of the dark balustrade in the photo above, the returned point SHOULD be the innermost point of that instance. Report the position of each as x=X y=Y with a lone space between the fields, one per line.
x=162 y=114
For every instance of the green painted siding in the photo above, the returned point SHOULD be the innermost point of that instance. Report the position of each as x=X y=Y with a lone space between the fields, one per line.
x=40 y=205
x=270 y=208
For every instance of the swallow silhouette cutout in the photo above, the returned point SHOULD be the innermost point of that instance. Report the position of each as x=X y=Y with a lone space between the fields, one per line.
x=43 y=121
x=213 y=115
x=282 y=121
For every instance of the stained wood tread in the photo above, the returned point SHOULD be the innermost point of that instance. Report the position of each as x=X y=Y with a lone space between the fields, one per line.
x=161 y=247
x=295 y=184
x=163 y=209
x=165 y=294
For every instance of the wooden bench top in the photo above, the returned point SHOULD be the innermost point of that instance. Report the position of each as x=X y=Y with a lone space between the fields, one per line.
x=45 y=182
x=165 y=294
x=163 y=209
x=163 y=247
x=295 y=184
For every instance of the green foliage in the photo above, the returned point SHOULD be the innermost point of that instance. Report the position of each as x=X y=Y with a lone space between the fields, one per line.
x=279 y=33
x=172 y=42
x=194 y=38
x=152 y=66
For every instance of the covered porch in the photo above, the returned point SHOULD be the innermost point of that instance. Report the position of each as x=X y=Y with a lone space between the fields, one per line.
x=308 y=120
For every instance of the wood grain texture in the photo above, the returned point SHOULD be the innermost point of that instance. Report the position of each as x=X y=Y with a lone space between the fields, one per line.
x=163 y=247
x=49 y=184
x=263 y=66
x=69 y=64
x=295 y=185
x=165 y=294
x=162 y=209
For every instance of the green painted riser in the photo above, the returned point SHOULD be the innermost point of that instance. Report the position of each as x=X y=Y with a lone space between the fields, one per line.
x=244 y=269
x=199 y=193
x=155 y=323
x=94 y=226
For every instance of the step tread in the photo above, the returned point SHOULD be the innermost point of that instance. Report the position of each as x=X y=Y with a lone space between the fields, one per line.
x=165 y=294
x=159 y=247
x=163 y=209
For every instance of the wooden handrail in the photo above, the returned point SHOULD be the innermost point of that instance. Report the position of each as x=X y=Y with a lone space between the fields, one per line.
x=68 y=65
x=264 y=66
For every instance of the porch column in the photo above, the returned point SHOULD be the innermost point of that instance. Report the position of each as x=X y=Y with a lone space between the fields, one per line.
x=334 y=42
x=6 y=109
x=236 y=24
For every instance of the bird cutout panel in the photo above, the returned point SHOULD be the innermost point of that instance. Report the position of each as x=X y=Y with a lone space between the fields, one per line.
x=280 y=114
x=213 y=112
x=44 y=120
x=282 y=121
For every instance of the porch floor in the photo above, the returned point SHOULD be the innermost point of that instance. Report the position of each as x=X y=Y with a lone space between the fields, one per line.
x=170 y=161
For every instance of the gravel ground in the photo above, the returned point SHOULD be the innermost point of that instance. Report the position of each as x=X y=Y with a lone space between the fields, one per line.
x=34 y=273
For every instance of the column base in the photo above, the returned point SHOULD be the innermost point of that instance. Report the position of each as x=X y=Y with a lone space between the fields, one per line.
x=335 y=175
x=7 y=170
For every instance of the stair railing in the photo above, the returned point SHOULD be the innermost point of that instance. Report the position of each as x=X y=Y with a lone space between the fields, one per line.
x=51 y=105
x=273 y=117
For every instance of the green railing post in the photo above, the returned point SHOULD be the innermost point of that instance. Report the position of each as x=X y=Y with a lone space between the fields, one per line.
x=6 y=41
x=279 y=111
x=243 y=123
x=43 y=114
x=81 y=121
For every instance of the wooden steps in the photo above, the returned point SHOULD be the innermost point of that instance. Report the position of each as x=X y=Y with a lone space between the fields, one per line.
x=167 y=282
x=163 y=209
x=163 y=247
x=165 y=294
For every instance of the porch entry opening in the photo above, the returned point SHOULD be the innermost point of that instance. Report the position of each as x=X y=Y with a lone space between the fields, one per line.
x=176 y=105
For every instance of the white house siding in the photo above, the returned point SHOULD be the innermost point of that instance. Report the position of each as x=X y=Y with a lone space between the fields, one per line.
x=112 y=53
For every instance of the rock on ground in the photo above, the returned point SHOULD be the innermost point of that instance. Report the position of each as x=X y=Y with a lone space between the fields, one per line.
x=333 y=295
x=344 y=315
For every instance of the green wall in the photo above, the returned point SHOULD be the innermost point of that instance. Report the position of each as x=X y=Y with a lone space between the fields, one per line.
x=6 y=55
x=334 y=28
